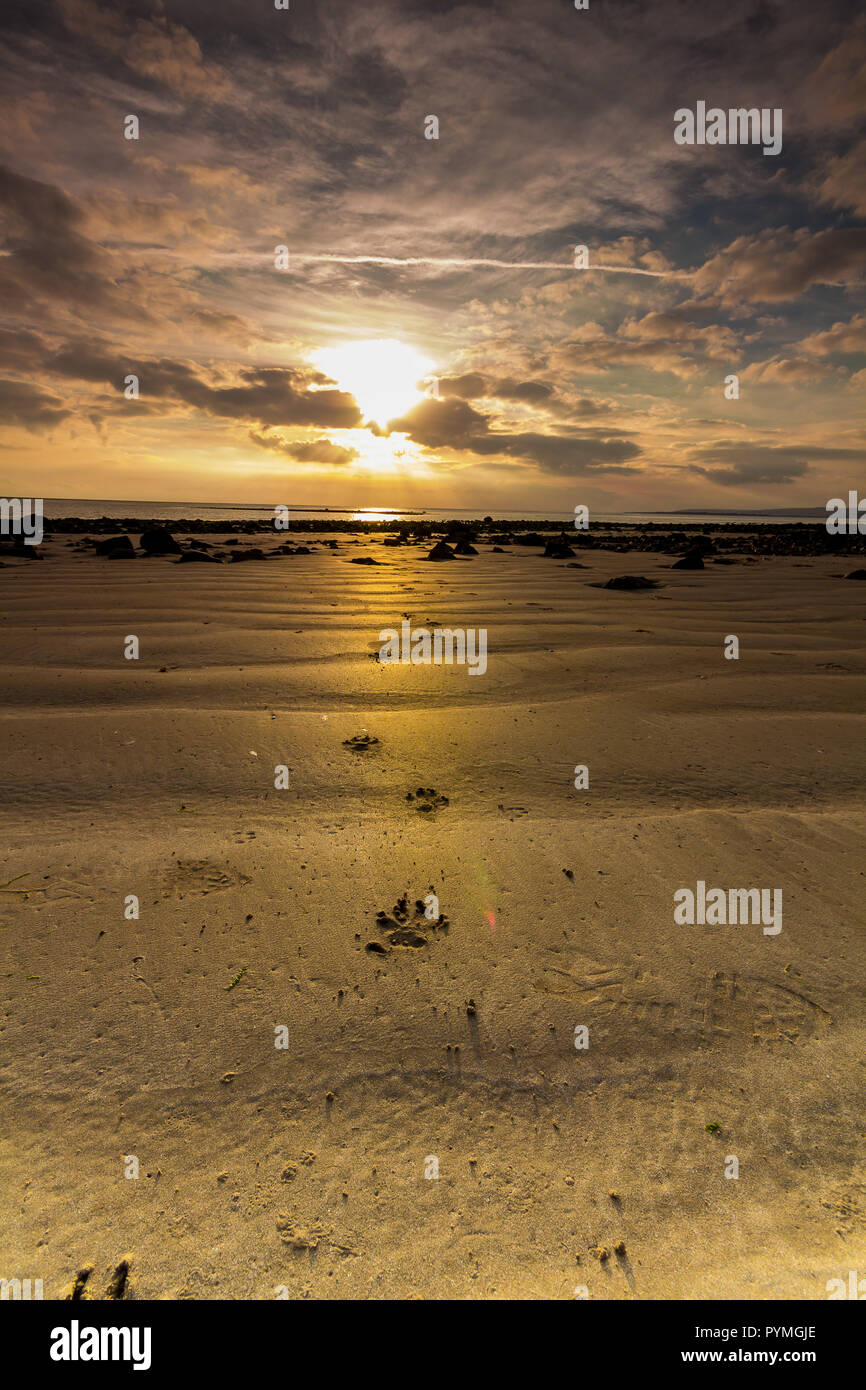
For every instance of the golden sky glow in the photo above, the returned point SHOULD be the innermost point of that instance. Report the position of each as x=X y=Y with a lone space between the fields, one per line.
x=409 y=257
x=382 y=375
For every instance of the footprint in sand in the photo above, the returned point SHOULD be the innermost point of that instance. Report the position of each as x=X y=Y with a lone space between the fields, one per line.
x=426 y=799
x=117 y=1287
x=360 y=743
x=407 y=926
x=197 y=878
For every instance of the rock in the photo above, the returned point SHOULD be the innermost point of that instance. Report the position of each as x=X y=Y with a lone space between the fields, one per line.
x=631 y=581
x=497 y=550
x=121 y=554
x=114 y=543
x=464 y=548
x=158 y=540
x=20 y=551
x=558 y=548
x=252 y=554
x=441 y=551
x=692 y=560
x=201 y=555
x=361 y=560
x=856 y=574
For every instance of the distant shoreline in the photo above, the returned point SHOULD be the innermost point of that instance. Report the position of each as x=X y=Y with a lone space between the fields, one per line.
x=742 y=537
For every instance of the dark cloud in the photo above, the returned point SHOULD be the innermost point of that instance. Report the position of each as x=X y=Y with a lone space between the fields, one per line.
x=311 y=451
x=733 y=464
x=27 y=405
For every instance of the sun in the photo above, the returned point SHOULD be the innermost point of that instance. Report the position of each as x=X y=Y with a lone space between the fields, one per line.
x=381 y=374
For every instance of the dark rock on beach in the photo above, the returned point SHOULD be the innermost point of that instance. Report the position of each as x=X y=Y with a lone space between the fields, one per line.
x=441 y=551
x=158 y=540
x=114 y=543
x=558 y=548
x=631 y=581
x=692 y=560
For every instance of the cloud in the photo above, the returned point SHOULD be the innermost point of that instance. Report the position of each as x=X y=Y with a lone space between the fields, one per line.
x=311 y=451
x=454 y=424
x=659 y=342
x=735 y=464
x=26 y=405
x=780 y=264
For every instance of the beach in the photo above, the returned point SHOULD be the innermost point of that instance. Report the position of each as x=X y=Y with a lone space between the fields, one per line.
x=318 y=1111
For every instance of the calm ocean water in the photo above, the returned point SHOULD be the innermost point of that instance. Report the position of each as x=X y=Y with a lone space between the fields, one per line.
x=91 y=509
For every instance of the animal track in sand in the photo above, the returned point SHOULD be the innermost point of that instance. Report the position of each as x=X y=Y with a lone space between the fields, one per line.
x=408 y=927
x=197 y=878
x=116 y=1289
x=729 y=1009
x=426 y=799
x=360 y=743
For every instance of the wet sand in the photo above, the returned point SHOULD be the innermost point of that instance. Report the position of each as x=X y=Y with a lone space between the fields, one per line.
x=303 y=1170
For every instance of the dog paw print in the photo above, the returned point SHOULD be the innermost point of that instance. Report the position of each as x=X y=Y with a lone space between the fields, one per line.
x=408 y=925
x=360 y=743
x=425 y=800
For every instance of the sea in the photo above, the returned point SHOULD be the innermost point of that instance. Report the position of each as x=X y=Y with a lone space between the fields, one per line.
x=91 y=509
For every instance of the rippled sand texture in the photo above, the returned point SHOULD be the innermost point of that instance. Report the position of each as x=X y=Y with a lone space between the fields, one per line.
x=304 y=1169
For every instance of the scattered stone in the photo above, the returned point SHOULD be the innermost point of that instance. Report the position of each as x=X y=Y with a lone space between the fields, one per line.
x=631 y=581
x=158 y=540
x=441 y=551
x=113 y=544
x=692 y=560
x=361 y=560
x=856 y=574
x=558 y=548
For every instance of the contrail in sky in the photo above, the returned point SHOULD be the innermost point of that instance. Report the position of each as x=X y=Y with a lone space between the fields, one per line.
x=461 y=263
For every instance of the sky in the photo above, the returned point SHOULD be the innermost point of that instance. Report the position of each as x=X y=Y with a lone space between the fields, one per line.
x=286 y=290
